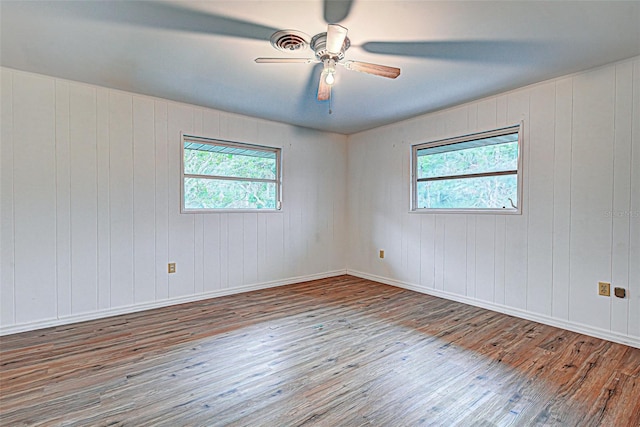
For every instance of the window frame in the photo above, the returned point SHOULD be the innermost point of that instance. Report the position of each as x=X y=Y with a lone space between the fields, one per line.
x=461 y=139
x=233 y=144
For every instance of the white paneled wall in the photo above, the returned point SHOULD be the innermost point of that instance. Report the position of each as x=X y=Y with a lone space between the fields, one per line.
x=90 y=217
x=581 y=207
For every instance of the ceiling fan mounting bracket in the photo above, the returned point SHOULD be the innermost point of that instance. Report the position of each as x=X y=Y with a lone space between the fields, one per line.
x=319 y=46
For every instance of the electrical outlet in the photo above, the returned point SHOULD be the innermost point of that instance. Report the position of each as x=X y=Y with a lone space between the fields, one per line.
x=172 y=267
x=604 y=289
x=620 y=292
x=381 y=253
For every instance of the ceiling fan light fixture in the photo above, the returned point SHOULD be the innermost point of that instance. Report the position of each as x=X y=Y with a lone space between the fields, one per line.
x=329 y=71
x=330 y=79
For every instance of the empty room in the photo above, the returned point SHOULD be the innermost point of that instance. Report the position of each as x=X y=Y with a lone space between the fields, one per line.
x=319 y=213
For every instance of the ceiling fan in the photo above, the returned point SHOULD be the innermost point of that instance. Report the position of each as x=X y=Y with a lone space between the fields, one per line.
x=329 y=49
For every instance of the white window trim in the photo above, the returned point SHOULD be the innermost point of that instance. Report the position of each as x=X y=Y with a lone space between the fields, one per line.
x=486 y=134
x=216 y=141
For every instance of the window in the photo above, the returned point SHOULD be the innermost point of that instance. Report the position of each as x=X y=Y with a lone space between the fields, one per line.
x=223 y=175
x=479 y=172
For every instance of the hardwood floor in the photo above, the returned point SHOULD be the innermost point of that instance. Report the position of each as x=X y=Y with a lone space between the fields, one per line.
x=334 y=352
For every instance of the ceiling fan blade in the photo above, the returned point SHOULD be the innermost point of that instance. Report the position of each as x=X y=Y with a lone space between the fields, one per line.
x=161 y=16
x=375 y=69
x=336 y=10
x=284 y=60
x=457 y=50
x=335 y=38
x=324 y=90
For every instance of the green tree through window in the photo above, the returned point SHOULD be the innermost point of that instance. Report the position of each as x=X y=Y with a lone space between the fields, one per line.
x=474 y=172
x=228 y=175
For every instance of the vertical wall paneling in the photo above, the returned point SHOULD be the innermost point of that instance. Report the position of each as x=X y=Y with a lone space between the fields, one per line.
x=210 y=222
x=540 y=200
x=198 y=253
x=634 y=226
x=210 y=124
x=500 y=236
x=455 y=254
x=224 y=250
x=87 y=183
x=406 y=239
x=371 y=236
x=413 y=247
x=7 y=241
x=63 y=202
x=309 y=220
x=250 y=248
x=198 y=221
x=427 y=250
x=364 y=244
x=324 y=202
x=315 y=222
x=330 y=212
x=339 y=205
x=440 y=236
x=287 y=196
x=502 y=108
x=487 y=111
x=516 y=237
x=84 y=198
x=562 y=198
x=261 y=236
x=121 y=198
x=485 y=257
x=485 y=231
x=500 y=259
x=236 y=128
x=395 y=207
x=412 y=222
x=181 y=229
x=456 y=122
x=198 y=261
x=198 y=122
x=211 y=249
x=144 y=199
x=34 y=186
x=591 y=194
x=294 y=251
x=581 y=205
x=272 y=258
x=472 y=118
x=95 y=198
x=621 y=193
x=103 y=199
x=471 y=256
x=270 y=244
x=235 y=249
x=161 y=213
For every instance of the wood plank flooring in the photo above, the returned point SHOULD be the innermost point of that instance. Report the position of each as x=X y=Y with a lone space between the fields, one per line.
x=335 y=352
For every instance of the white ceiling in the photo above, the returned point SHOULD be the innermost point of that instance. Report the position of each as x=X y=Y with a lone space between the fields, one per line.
x=202 y=52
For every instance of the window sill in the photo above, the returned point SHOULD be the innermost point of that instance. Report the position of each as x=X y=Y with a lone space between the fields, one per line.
x=213 y=211
x=505 y=211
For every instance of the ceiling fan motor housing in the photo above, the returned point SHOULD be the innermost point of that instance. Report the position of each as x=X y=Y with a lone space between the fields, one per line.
x=319 y=46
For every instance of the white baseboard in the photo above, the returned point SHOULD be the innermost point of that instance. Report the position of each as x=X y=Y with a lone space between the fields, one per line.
x=547 y=320
x=65 y=320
